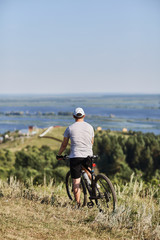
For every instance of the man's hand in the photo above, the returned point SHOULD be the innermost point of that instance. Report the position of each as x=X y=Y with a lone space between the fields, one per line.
x=59 y=157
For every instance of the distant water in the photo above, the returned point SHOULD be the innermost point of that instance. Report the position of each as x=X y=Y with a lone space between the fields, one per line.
x=115 y=112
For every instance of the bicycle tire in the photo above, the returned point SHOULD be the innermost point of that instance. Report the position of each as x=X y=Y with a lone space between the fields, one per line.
x=105 y=193
x=69 y=189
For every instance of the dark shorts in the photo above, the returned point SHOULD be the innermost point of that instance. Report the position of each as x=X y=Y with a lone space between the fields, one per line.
x=76 y=165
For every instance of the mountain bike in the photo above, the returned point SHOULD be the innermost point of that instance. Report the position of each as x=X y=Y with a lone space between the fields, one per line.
x=97 y=191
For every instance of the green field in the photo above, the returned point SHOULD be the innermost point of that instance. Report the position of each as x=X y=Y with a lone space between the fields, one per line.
x=51 y=139
x=20 y=142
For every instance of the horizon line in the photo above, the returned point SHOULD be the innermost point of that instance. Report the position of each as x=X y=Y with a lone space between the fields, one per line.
x=81 y=93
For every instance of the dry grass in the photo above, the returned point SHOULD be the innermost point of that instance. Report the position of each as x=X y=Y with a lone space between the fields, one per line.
x=24 y=217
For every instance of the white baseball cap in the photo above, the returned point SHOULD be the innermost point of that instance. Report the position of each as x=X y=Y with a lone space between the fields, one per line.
x=78 y=112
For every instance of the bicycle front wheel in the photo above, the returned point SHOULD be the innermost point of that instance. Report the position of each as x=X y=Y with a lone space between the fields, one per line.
x=105 y=194
x=69 y=189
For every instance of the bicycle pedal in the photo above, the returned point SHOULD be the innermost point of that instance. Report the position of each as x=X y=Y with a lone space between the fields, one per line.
x=90 y=204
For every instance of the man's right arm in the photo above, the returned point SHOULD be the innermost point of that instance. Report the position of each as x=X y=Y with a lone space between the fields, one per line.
x=92 y=140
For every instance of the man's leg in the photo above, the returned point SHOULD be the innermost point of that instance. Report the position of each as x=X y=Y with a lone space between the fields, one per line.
x=76 y=189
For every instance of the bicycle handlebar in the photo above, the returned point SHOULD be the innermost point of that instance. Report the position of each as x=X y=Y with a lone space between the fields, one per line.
x=65 y=157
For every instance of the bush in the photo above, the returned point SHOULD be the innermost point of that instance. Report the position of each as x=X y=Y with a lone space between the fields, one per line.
x=121 y=155
x=39 y=163
x=59 y=173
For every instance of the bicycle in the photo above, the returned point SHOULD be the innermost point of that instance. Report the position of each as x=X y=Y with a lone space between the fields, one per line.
x=100 y=189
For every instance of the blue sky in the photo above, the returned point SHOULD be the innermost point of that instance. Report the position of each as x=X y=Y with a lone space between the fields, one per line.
x=80 y=46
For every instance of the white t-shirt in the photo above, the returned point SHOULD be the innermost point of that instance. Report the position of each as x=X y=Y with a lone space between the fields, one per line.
x=81 y=135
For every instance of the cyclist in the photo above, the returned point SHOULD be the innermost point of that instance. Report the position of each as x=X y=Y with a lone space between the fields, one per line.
x=81 y=135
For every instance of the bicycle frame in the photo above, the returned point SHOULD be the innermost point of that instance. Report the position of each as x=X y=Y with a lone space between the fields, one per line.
x=92 y=189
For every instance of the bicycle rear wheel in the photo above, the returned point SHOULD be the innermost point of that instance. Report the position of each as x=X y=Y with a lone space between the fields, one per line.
x=106 y=196
x=69 y=188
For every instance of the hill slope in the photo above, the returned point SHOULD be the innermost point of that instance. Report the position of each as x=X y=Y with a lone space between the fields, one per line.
x=23 y=216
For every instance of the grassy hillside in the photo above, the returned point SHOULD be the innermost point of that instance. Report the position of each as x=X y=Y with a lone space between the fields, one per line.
x=17 y=143
x=46 y=213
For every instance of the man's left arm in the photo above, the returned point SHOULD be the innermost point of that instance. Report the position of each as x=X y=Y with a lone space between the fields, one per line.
x=63 y=145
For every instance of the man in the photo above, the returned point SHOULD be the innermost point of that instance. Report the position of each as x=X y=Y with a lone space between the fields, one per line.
x=81 y=135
